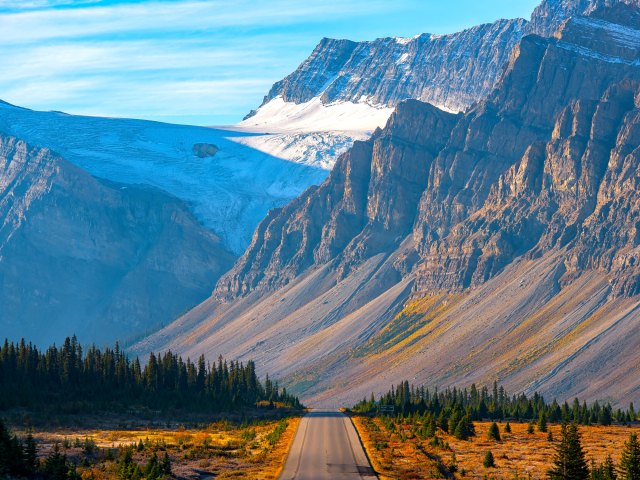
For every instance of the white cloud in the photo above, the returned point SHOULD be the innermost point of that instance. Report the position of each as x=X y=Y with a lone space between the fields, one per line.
x=154 y=58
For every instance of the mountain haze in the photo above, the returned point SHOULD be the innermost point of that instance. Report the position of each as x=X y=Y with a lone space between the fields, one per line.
x=99 y=259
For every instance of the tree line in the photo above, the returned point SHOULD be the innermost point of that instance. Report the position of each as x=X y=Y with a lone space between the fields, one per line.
x=68 y=378
x=480 y=404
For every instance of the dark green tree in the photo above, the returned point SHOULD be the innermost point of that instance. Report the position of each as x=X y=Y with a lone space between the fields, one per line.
x=165 y=466
x=569 y=462
x=630 y=460
x=494 y=432
x=464 y=429
x=604 y=471
x=30 y=453
x=542 y=422
x=507 y=428
x=489 y=461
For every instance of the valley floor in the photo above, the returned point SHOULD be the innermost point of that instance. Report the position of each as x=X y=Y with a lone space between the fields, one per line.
x=222 y=449
x=396 y=452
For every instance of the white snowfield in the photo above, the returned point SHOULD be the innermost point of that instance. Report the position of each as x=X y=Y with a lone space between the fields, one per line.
x=311 y=133
x=278 y=116
x=230 y=192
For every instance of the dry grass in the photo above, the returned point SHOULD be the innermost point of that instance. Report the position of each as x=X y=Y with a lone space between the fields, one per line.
x=398 y=454
x=221 y=450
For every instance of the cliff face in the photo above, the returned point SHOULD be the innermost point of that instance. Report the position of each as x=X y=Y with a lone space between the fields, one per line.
x=451 y=71
x=551 y=14
x=509 y=233
x=82 y=256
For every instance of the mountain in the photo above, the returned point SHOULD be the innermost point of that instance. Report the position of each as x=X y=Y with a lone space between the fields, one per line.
x=344 y=90
x=83 y=255
x=498 y=244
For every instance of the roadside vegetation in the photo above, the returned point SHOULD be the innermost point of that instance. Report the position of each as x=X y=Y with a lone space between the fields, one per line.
x=412 y=433
x=254 y=450
x=72 y=413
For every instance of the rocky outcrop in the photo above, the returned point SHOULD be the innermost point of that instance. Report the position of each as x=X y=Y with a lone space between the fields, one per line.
x=104 y=261
x=205 y=150
x=366 y=206
x=451 y=71
x=549 y=16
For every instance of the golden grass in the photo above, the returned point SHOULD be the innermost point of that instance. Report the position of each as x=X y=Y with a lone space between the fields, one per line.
x=222 y=450
x=399 y=454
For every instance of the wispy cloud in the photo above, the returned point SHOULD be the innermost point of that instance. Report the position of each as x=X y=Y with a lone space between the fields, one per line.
x=211 y=59
x=179 y=60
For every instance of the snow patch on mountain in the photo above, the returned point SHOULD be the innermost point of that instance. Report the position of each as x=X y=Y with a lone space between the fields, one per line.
x=311 y=133
x=279 y=116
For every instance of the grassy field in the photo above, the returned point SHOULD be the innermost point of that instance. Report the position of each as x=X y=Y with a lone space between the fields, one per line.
x=397 y=453
x=221 y=449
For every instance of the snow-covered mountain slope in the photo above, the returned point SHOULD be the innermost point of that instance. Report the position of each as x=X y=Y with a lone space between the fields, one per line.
x=452 y=71
x=230 y=192
x=312 y=133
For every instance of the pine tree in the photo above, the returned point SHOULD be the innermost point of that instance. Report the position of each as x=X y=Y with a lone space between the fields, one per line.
x=507 y=428
x=165 y=465
x=494 y=432
x=153 y=470
x=542 y=422
x=630 y=460
x=569 y=460
x=489 y=461
x=30 y=453
x=465 y=429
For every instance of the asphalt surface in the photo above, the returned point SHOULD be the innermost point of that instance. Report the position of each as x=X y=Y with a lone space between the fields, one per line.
x=326 y=446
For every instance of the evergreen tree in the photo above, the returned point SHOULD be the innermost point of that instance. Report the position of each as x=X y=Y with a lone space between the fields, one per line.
x=569 y=460
x=630 y=460
x=465 y=429
x=165 y=466
x=489 y=461
x=494 y=432
x=507 y=428
x=55 y=466
x=542 y=422
x=605 y=471
x=153 y=470
x=30 y=454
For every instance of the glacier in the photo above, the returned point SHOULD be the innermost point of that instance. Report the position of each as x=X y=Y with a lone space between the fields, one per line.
x=230 y=192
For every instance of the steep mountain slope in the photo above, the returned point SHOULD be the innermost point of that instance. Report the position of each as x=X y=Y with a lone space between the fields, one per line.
x=230 y=188
x=99 y=259
x=499 y=244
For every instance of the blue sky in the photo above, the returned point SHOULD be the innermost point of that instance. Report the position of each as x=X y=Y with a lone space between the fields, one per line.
x=203 y=62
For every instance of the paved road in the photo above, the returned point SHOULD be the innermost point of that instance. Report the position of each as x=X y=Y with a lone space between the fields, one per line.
x=326 y=446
